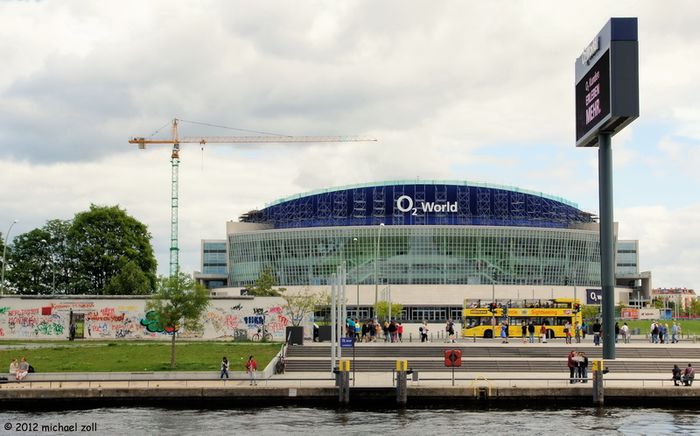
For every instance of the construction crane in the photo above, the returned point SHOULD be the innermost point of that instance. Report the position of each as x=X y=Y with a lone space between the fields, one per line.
x=175 y=140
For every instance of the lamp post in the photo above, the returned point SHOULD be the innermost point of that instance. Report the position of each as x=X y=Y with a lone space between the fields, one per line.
x=4 y=258
x=357 y=276
x=376 y=261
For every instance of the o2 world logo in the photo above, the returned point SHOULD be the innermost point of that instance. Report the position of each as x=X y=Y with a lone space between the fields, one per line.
x=406 y=204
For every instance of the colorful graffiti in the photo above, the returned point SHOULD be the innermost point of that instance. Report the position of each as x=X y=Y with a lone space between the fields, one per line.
x=128 y=320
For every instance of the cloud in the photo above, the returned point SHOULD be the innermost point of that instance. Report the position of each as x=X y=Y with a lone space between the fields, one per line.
x=453 y=90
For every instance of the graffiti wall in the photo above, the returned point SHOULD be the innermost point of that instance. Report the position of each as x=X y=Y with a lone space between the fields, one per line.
x=110 y=318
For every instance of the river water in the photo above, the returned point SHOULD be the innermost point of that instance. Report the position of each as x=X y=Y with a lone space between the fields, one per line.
x=320 y=421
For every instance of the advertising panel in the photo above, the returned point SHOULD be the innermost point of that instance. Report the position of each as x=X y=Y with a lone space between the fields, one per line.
x=648 y=313
x=629 y=313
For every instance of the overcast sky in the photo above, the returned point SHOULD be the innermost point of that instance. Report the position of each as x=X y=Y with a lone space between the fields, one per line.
x=479 y=91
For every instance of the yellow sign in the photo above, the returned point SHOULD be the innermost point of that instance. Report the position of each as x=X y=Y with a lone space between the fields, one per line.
x=597 y=365
x=344 y=365
x=402 y=365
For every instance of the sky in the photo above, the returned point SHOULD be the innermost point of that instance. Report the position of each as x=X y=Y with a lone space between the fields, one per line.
x=463 y=90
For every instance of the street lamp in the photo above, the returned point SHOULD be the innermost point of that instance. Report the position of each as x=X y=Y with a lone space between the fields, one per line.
x=4 y=258
x=376 y=261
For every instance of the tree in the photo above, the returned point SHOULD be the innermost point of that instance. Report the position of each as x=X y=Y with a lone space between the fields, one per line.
x=590 y=312
x=179 y=302
x=382 y=310
x=129 y=281
x=264 y=285
x=102 y=241
x=28 y=267
x=301 y=305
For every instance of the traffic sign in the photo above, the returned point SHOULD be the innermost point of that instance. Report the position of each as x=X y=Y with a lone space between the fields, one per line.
x=347 y=343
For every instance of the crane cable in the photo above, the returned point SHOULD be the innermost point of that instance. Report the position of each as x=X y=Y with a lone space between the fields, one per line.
x=233 y=128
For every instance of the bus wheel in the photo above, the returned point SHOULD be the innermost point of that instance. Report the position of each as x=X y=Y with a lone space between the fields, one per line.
x=550 y=334
x=488 y=334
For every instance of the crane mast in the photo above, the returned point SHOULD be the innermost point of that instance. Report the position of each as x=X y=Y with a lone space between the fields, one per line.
x=175 y=140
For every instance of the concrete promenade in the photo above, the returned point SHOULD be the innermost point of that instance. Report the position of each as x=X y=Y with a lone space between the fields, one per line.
x=318 y=387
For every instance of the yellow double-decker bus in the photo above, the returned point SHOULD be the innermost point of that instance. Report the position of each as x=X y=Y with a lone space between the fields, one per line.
x=483 y=319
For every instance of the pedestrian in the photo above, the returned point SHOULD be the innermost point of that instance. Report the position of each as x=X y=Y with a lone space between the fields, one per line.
x=583 y=367
x=358 y=329
x=567 y=332
x=577 y=332
x=543 y=333
x=676 y=371
x=71 y=331
x=224 y=367
x=14 y=367
x=523 y=332
x=617 y=331
x=596 y=333
x=571 y=363
x=504 y=332
x=450 y=331
x=674 y=333
x=392 y=331
x=423 y=330
x=531 y=331
x=688 y=375
x=399 y=331
x=666 y=333
x=251 y=367
x=654 y=332
x=625 y=332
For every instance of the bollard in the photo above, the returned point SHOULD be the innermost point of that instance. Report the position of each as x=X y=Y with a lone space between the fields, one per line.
x=343 y=378
x=598 y=390
x=401 y=387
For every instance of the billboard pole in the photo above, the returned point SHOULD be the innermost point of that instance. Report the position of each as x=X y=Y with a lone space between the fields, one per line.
x=607 y=243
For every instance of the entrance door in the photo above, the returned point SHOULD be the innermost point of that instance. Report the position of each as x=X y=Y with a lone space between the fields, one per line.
x=79 y=320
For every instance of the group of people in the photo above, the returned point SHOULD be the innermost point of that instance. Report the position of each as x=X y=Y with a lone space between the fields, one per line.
x=371 y=330
x=20 y=369
x=659 y=333
x=684 y=377
x=578 y=367
x=251 y=367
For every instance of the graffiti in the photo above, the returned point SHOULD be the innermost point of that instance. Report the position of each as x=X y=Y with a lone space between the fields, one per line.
x=106 y=314
x=152 y=323
x=258 y=311
x=2 y=332
x=49 y=329
x=3 y=310
x=237 y=307
x=275 y=309
x=254 y=321
x=76 y=305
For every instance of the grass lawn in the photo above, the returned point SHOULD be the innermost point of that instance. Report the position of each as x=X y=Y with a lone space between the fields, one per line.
x=688 y=327
x=140 y=356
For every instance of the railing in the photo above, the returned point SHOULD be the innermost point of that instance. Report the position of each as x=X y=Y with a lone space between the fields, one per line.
x=554 y=382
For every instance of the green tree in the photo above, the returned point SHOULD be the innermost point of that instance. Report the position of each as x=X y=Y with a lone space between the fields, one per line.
x=129 y=281
x=102 y=241
x=264 y=285
x=301 y=305
x=179 y=302
x=29 y=265
x=590 y=312
x=382 y=310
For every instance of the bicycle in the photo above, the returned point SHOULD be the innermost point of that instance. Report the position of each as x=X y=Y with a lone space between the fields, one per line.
x=266 y=336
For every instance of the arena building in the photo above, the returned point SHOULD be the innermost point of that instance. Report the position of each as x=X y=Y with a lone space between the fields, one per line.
x=425 y=244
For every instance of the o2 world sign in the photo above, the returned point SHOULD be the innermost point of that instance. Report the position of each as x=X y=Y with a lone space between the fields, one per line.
x=405 y=204
x=607 y=82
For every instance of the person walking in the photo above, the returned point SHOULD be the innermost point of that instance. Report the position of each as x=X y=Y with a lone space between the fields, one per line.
x=625 y=332
x=674 y=333
x=423 y=330
x=251 y=367
x=567 y=332
x=543 y=333
x=504 y=332
x=596 y=333
x=399 y=331
x=224 y=367
x=617 y=331
x=450 y=331
x=523 y=332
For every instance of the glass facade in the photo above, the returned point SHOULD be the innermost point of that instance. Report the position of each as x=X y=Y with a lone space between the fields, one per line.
x=214 y=258
x=425 y=254
x=627 y=258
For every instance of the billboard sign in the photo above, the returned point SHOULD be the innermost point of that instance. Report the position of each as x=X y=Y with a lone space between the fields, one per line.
x=648 y=313
x=607 y=82
x=594 y=296
x=629 y=313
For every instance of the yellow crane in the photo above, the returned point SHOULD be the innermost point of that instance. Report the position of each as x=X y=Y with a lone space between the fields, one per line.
x=175 y=140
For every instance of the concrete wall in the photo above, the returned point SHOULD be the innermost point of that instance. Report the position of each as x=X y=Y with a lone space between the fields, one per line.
x=125 y=318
